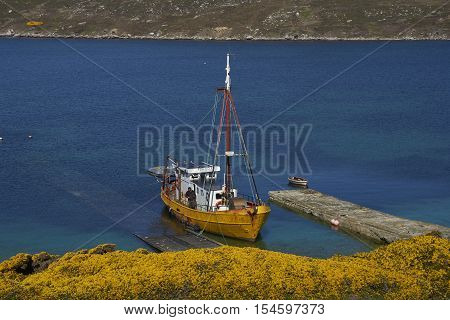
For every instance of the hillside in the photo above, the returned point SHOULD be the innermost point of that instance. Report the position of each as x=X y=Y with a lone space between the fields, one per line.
x=417 y=268
x=227 y=19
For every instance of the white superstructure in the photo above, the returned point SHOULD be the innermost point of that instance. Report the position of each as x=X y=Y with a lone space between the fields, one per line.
x=202 y=180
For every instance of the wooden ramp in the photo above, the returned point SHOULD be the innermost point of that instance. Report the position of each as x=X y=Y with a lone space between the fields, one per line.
x=190 y=240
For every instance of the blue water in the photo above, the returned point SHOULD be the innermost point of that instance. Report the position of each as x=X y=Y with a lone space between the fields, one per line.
x=380 y=135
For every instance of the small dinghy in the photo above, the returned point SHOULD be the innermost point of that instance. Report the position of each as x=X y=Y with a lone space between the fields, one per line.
x=297 y=181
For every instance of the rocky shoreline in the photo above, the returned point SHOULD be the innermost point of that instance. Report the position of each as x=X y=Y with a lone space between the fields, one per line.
x=202 y=38
x=223 y=20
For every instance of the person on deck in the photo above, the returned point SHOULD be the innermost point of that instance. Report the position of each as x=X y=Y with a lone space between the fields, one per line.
x=192 y=198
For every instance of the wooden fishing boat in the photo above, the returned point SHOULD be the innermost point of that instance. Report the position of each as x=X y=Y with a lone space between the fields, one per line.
x=297 y=181
x=193 y=193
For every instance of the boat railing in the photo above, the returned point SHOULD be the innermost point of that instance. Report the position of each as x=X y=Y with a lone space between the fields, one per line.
x=185 y=202
x=247 y=197
x=203 y=207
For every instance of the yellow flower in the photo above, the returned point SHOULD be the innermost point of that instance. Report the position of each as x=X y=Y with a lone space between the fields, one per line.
x=409 y=269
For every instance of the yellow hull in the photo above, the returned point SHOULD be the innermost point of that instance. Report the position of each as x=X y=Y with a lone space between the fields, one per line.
x=240 y=223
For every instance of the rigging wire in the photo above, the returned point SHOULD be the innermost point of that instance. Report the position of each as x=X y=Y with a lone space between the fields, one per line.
x=214 y=163
x=220 y=229
x=249 y=166
x=213 y=122
x=213 y=107
x=217 y=148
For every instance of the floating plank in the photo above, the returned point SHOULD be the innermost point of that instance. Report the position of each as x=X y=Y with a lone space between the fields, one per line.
x=182 y=242
x=163 y=243
x=372 y=224
x=197 y=242
x=218 y=244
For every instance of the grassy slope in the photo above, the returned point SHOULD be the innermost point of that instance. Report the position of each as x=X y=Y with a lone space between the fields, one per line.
x=222 y=19
x=409 y=269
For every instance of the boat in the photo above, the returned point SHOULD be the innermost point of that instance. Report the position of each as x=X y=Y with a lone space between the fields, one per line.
x=193 y=193
x=297 y=181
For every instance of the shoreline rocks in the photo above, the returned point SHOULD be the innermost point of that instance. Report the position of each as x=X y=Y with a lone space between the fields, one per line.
x=12 y=34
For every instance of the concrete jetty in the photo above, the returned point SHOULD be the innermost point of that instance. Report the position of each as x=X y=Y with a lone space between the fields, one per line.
x=372 y=224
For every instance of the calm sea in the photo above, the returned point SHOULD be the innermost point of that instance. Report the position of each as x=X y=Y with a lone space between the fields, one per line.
x=380 y=133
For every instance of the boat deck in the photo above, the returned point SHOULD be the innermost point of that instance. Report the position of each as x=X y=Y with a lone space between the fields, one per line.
x=172 y=243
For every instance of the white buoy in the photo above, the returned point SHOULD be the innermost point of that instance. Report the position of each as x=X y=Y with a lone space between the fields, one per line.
x=1 y=138
x=335 y=222
x=30 y=136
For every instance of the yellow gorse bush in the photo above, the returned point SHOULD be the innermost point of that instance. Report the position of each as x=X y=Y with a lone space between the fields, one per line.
x=408 y=269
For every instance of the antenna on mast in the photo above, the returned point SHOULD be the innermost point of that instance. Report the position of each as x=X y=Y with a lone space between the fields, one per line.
x=228 y=79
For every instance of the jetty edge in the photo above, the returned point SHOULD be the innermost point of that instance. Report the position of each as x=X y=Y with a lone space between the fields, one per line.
x=372 y=224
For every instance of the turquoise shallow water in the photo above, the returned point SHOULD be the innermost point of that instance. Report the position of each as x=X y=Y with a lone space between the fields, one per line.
x=380 y=134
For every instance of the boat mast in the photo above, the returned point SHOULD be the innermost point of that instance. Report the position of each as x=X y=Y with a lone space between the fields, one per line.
x=228 y=79
x=228 y=152
x=228 y=112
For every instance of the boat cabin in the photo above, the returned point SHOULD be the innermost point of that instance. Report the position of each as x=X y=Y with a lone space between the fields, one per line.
x=202 y=180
